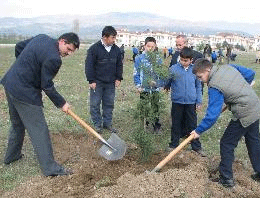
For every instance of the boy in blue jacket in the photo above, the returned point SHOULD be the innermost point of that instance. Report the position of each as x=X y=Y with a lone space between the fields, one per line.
x=230 y=84
x=147 y=81
x=186 y=97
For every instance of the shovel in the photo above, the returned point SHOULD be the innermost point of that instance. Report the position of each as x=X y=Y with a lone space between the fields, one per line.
x=172 y=154
x=113 y=149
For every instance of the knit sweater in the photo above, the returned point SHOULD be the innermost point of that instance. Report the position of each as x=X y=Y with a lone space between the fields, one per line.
x=102 y=65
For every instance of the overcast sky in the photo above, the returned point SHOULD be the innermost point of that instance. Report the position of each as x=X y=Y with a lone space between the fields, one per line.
x=194 y=10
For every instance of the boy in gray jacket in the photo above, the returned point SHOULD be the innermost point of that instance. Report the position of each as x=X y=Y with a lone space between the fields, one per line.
x=230 y=84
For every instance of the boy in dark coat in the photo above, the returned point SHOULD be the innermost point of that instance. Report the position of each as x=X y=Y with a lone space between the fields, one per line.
x=104 y=70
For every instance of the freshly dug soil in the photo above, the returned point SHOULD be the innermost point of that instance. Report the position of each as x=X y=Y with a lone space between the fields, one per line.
x=186 y=175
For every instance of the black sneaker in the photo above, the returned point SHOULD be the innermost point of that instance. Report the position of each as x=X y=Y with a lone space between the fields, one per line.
x=110 y=128
x=157 y=128
x=147 y=123
x=62 y=172
x=256 y=177
x=99 y=130
x=200 y=152
x=227 y=183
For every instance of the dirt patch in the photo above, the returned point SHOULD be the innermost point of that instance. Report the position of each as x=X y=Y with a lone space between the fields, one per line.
x=187 y=175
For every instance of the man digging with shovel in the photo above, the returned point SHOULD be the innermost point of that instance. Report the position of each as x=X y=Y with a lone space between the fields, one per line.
x=230 y=84
x=37 y=62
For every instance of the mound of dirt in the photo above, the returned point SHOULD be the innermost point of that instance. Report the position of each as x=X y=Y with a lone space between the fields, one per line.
x=172 y=183
x=194 y=180
x=187 y=175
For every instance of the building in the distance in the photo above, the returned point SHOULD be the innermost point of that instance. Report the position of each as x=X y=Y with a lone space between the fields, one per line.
x=167 y=39
x=256 y=44
x=137 y=38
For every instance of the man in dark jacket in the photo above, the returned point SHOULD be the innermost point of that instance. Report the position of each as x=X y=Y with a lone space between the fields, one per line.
x=181 y=42
x=37 y=62
x=104 y=69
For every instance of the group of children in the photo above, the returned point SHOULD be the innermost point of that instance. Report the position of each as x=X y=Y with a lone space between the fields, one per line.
x=227 y=84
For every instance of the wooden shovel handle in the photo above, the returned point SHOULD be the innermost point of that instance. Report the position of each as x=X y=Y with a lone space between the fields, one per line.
x=85 y=125
x=173 y=153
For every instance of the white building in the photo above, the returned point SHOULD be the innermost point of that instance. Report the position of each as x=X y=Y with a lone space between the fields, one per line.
x=167 y=39
x=163 y=39
x=256 y=43
x=231 y=38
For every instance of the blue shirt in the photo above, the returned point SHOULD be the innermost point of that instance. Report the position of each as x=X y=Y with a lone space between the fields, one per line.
x=216 y=101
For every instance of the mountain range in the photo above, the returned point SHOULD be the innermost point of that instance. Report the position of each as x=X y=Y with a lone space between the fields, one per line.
x=90 y=26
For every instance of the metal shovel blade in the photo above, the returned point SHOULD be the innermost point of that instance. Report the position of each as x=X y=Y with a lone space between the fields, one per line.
x=119 y=148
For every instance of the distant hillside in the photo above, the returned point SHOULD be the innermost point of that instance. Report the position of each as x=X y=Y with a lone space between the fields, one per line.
x=91 y=26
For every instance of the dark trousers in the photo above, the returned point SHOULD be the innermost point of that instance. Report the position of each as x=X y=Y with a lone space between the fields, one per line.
x=229 y=141
x=105 y=94
x=26 y=116
x=149 y=107
x=184 y=120
x=134 y=55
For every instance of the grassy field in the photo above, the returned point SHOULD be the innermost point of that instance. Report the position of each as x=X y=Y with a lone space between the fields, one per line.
x=72 y=84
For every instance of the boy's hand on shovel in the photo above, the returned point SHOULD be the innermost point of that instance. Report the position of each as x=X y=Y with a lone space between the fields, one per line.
x=66 y=107
x=196 y=135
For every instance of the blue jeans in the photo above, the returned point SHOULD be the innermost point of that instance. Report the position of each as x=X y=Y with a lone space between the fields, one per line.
x=105 y=94
x=229 y=141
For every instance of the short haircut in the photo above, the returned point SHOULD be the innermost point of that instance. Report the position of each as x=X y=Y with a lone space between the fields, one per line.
x=201 y=65
x=71 y=38
x=186 y=52
x=109 y=31
x=182 y=36
x=149 y=39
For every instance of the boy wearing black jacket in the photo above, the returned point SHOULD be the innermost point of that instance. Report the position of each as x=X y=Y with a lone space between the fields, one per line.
x=104 y=69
